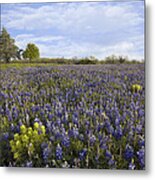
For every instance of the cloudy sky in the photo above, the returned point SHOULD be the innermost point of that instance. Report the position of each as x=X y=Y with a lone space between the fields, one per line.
x=78 y=29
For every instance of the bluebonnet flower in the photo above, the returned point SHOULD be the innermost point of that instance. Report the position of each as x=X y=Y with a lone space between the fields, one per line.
x=7 y=111
x=1 y=110
x=17 y=129
x=141 y=142
x=111 y=162
x=108 y=154
x=92 y=140
x=10 y=118
x=12 y=127
x=29 y=164
x=141 y=112
x=111 y=130
x=103 y=143
x=44 y=145
x=15 y=115
x=28 y=94
x=118 y=133
x=82 y=154
x=139 y=128
x=100 y=137
x=65 y=141
x=58 y=122
x=109 y=127
x=129 y=152
x=42 y=113
x=81 y=137
x=59 y=152
x=117 y=121
x=45 y=154
x=132 y=166
x=73 y=132
x=141 y=157
x=75 y=119
x=59 y=114
x=58 y=135
x=87 y=123
x=5 y=136
x=99 y=128
x=52 y=139
x=50 y=116
x=35 y=108
x=48 y=107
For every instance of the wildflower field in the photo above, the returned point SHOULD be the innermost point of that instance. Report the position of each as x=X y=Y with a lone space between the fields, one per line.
x=73 y=116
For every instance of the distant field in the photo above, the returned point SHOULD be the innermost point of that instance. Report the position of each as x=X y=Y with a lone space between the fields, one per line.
x=90 y=116
x=23 y=65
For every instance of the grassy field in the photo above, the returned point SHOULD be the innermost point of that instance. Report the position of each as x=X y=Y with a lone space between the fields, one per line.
x=23 y=65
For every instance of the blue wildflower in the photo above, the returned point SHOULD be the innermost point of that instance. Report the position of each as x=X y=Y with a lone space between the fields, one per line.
x=129 y=152
x=45 y=154
x=118 y=133
x=82 y=154
x=111 y=162
x=108 y=154
x=65 y=141
x=141 y=157
x=59 y=152
x=132 y=166
x=92 y=140
x=5 y=136
x=29 y=164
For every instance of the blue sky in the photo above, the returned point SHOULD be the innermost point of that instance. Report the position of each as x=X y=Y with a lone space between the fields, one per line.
x=78 y=29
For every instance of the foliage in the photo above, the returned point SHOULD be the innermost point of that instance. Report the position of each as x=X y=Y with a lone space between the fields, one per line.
x=31 y=52
x=92 y=116
x=8 y=49
x=86 y=61
x=116 y=59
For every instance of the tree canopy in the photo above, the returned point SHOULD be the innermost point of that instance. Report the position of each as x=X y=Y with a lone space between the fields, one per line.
x=31 y=52
x=8 y=49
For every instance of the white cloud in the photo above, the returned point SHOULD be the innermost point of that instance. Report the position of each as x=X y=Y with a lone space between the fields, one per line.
x=72 y=16
x=79 y=29
x=23 y=39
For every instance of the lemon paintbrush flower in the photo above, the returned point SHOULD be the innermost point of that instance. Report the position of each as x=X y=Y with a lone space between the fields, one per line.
x=43 y=129
x=30 y=132
x=136 y=87
x=18 y=144
x=16 y=137
x=16 y=155
x=28 y=140
x=23 y=129
x=25 y=138
x=36 y=125
x=35 y=133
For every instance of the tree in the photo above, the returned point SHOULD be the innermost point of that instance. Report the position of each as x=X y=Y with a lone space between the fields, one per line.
x=31 y=52
x=111 y=59
x=8 y=49
x=122 y=59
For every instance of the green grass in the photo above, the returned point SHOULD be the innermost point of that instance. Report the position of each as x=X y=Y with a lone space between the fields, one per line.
x=4 y=66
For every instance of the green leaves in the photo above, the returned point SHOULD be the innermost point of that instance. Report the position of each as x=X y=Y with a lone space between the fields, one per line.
x=8 y=49
x=31 y=52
